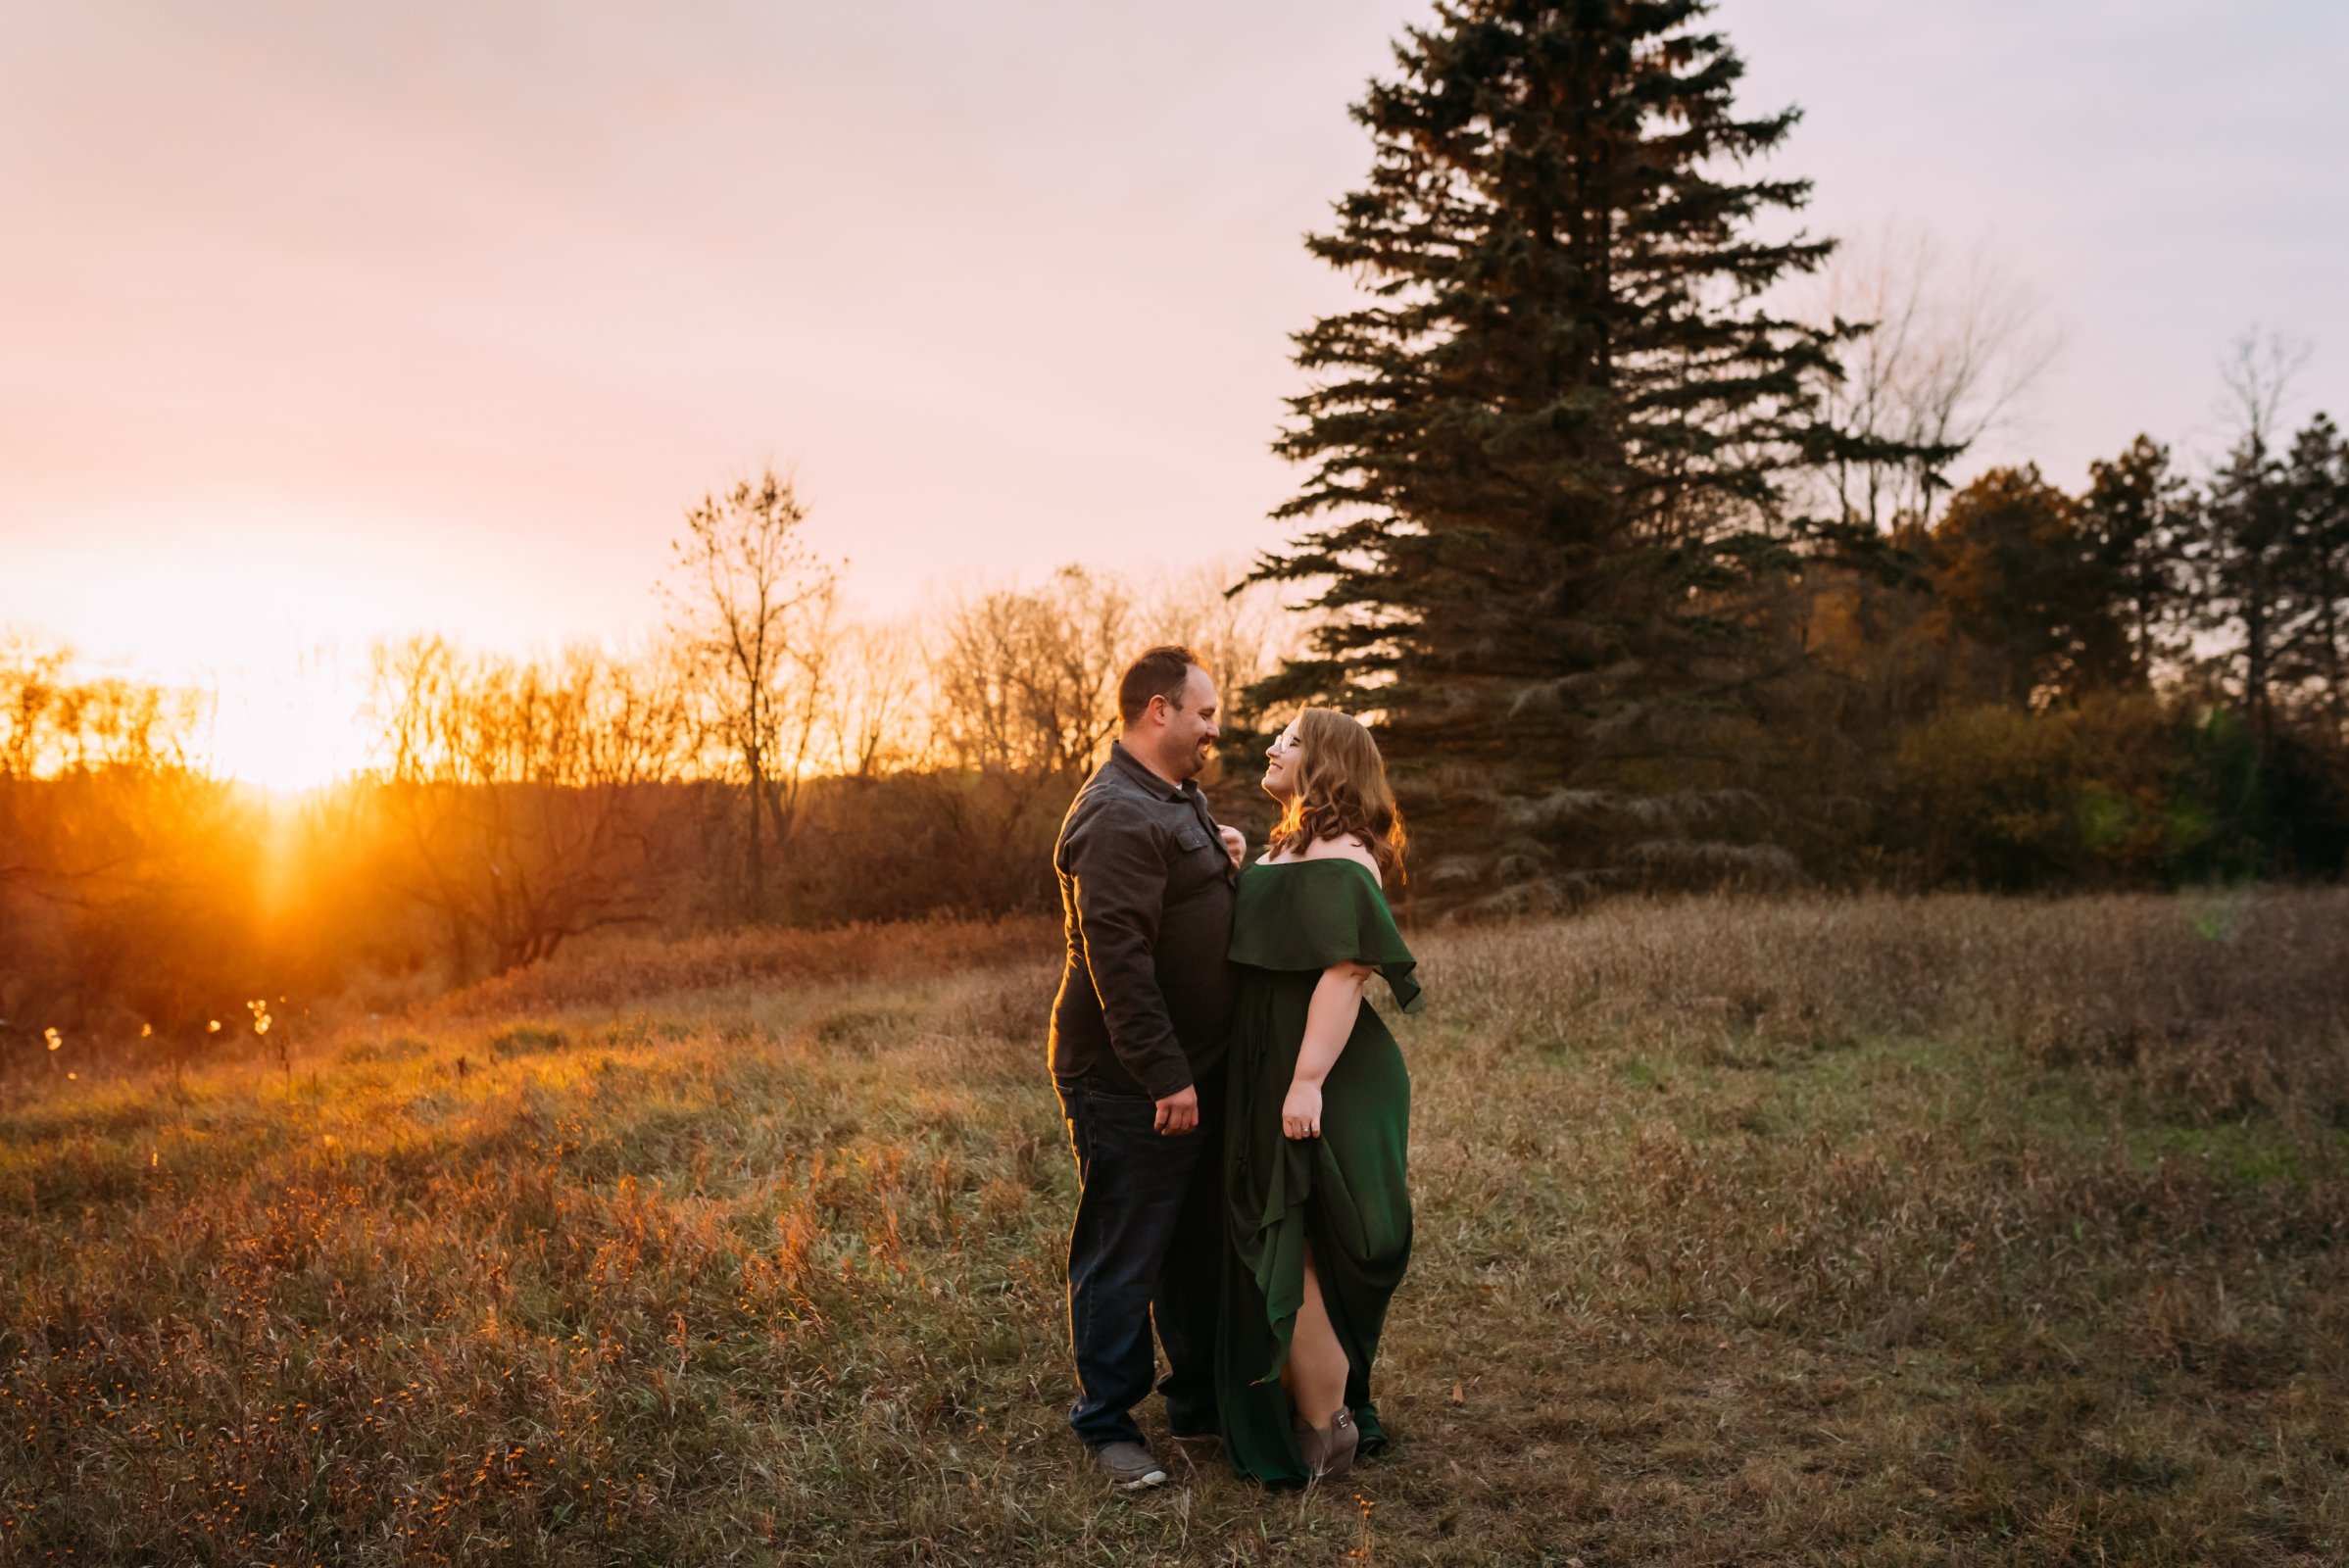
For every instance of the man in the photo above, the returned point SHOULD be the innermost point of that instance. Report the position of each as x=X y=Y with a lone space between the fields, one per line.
x=1137 y=1041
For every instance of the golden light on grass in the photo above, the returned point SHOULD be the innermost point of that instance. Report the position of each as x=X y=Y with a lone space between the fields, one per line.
x=1860 y=1227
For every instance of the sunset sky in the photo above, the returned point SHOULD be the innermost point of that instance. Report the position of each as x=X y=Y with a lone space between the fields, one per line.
x=325 y=321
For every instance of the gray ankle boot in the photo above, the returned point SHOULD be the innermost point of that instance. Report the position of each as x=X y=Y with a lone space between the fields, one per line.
x=1330 y=1451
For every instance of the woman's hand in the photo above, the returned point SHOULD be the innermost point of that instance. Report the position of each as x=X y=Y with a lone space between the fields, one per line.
x=1328 y=1020
x=1300 y=1112
x=1235 y=843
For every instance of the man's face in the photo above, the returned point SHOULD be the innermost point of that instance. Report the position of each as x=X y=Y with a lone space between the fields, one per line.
x=1190 y=726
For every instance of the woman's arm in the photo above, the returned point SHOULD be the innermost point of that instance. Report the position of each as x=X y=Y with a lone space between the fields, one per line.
x=1329 y=1023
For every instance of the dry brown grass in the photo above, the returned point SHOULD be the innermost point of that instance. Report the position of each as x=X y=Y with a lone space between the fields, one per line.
x=1926 y=1231
x=612 y=970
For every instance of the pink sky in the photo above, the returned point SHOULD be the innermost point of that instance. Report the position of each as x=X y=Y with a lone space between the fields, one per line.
x=326 y=321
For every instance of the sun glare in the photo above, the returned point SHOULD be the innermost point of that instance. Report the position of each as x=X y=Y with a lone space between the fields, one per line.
x=269 y=615
x=272 y=631
x=287 y=730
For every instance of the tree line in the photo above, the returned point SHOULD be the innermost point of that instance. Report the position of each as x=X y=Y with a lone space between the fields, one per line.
x=1628 y=518
x=763 y=758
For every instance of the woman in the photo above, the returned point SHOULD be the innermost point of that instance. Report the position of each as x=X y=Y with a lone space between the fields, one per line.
x=1319 y=1217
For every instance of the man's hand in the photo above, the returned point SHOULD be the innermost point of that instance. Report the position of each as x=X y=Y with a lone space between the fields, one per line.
x=1178 y=1113
x=1235 y=842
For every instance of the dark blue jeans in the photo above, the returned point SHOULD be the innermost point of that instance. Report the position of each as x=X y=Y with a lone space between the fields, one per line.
x=1146 y=1248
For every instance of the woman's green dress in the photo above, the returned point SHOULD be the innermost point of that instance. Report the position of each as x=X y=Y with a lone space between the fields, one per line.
x=1343 y=1191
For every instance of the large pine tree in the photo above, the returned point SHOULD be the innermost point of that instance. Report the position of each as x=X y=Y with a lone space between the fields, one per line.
x=1549 y=451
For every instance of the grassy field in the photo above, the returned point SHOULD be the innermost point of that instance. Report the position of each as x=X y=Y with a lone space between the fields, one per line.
x=1872 y=1232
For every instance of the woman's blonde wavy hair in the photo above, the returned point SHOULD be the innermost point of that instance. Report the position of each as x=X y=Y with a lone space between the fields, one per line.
x=1340 y=788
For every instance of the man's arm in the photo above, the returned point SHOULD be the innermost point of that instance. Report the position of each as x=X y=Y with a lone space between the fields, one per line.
x=1120 y=882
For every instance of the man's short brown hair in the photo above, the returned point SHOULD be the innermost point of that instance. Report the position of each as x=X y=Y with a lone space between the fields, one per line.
x=1163 y=671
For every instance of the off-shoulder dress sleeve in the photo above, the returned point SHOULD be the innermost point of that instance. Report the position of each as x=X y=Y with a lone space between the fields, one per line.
x=1309 y=914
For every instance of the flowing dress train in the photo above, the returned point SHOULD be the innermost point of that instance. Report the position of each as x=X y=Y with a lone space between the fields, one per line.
x=1344 y=1190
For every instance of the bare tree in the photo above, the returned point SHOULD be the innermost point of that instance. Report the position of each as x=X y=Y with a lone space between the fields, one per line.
x=1240 y=634
x=1025 y=679
x=876 y=723
x=522 y=790
x=114 y=737
x=802 y=709
x=756 y=605
x=1955 y=349
x=1024 y=687
x=54 y=717
x=2255 y=378
x=30 y=681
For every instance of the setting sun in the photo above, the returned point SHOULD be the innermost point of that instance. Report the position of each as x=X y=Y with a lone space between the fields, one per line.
x=272 y=631
x=288 y=729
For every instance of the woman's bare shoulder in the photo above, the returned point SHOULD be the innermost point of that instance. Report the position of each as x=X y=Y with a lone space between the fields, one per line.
x=1345 y=846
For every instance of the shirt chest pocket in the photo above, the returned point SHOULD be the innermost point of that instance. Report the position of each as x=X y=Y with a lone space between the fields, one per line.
x=1199 y=855
x=1195 y=855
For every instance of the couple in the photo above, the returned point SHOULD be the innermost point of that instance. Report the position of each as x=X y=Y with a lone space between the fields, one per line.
x=1238 y=1111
